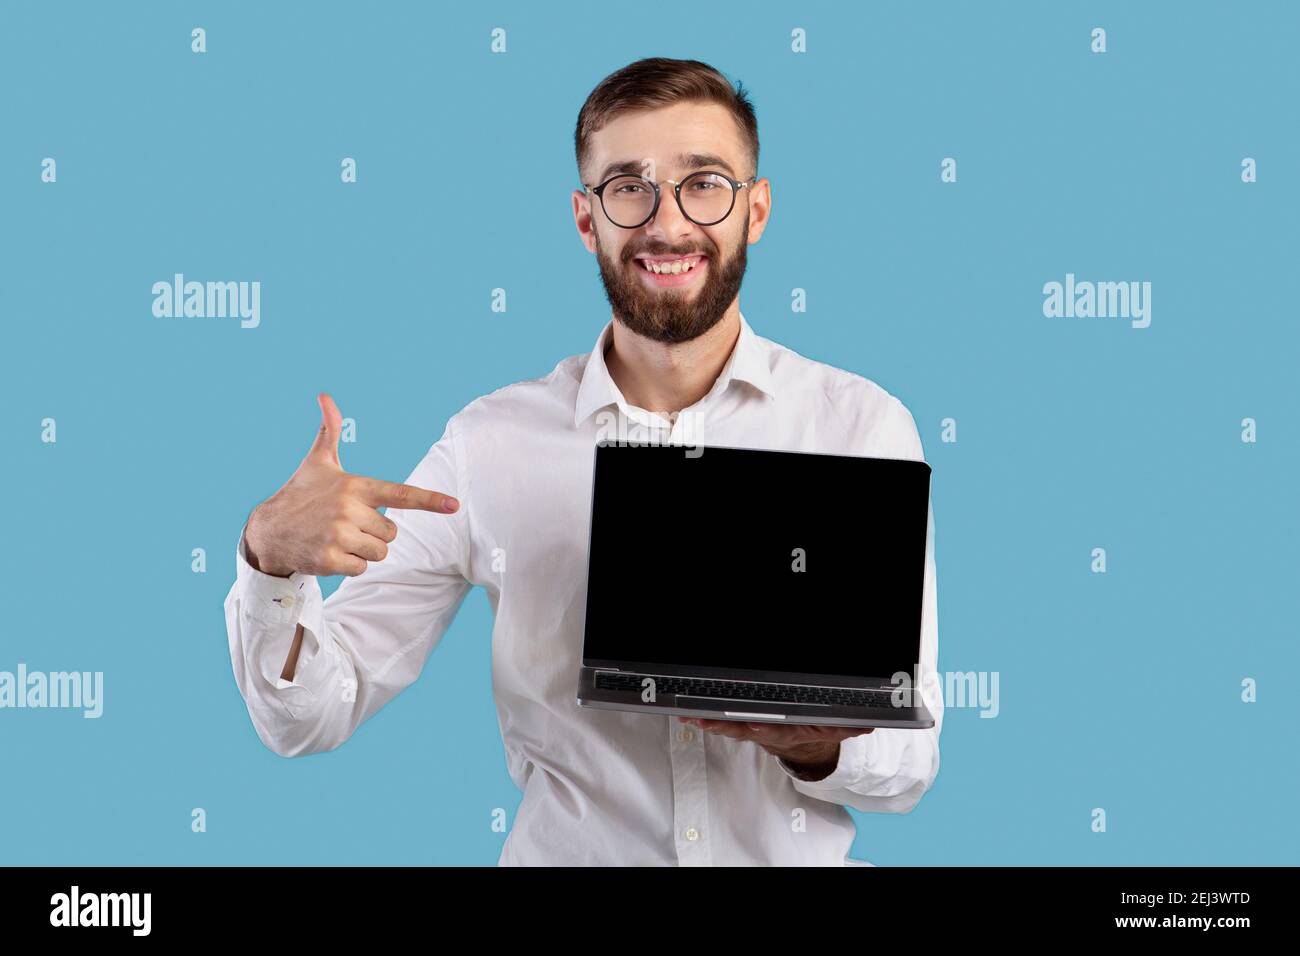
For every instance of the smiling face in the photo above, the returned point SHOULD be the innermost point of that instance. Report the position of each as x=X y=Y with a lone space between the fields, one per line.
x=671 y=280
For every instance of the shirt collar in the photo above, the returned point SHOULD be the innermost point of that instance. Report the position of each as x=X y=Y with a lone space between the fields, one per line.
x=748 y=362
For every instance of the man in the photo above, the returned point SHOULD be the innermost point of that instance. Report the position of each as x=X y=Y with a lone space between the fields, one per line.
x=668 y=155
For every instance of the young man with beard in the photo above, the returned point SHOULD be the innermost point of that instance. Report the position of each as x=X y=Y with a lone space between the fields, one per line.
x=668 y=154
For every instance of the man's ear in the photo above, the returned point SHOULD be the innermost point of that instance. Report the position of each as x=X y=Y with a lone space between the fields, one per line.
x=760 y=209
x=582 y=219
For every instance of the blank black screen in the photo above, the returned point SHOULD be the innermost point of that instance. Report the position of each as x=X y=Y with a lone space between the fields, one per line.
x=693 y=560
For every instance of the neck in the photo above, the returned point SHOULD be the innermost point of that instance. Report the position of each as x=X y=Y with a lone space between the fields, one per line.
x=662 y=377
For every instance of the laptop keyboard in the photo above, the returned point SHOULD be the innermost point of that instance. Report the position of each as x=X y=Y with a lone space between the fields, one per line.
x=747 y=690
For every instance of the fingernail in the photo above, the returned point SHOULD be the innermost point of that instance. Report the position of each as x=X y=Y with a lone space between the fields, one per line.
x=451 y=504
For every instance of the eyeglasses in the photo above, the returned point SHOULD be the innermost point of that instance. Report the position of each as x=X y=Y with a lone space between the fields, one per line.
x=705 y=198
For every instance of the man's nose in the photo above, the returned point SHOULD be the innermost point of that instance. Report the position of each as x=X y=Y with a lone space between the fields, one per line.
x=668 y=223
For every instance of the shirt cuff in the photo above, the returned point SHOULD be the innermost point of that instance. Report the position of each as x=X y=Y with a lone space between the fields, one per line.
x=856 y=755
x=268 y=598
x=281 y=603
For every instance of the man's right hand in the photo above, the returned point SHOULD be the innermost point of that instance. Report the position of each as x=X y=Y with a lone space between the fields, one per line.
x=324 y=521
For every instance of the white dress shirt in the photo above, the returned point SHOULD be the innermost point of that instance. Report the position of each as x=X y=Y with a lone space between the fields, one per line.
x=599 y=786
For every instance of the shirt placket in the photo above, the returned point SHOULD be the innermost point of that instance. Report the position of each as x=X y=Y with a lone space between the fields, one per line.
x=691 y=831
x=692 y=835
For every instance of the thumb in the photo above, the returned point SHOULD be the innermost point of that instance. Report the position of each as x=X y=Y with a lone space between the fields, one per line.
x=326 y=445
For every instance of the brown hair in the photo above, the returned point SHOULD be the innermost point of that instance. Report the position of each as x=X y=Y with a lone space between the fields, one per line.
x=655 y=82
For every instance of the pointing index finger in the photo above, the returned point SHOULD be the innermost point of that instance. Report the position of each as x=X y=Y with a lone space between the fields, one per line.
x=392 y=494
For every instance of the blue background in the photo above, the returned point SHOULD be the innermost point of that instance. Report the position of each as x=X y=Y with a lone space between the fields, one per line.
x=1118 y=690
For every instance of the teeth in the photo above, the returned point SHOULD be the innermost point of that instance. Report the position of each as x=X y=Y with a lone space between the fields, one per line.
x=674 y=267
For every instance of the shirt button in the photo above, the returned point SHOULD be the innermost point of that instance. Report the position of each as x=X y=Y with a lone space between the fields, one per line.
x=286 y=601
x=686 y=736
x=691 y=834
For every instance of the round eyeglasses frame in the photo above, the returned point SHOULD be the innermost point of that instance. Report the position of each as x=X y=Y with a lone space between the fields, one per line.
x=736 y=186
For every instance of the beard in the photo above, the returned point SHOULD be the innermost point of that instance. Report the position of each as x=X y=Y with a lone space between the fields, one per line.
x=668 y=315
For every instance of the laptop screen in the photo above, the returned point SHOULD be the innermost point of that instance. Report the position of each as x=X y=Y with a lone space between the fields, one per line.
x=756 y=560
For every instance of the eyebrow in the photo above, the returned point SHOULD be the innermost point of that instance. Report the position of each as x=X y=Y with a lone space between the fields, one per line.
x=690 y=161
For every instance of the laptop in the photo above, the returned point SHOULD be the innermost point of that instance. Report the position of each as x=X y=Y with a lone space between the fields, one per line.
x=756 y=585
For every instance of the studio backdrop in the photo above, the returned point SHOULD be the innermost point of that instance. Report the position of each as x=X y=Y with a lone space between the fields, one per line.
x=1065 y=235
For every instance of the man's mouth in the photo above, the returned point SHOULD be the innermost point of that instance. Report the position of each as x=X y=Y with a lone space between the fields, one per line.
x=671 y=270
